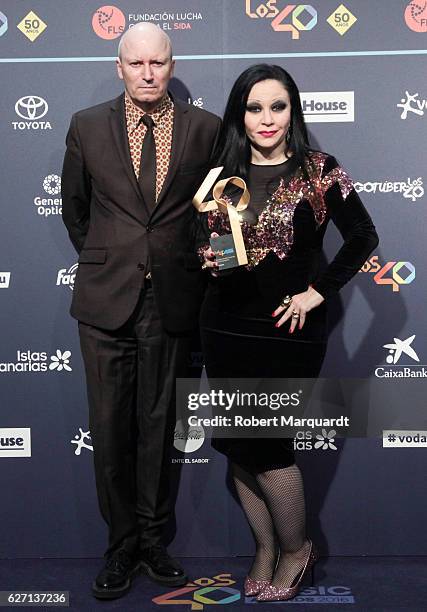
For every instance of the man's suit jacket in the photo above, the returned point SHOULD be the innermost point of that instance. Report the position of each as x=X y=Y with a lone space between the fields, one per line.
x=113 y=230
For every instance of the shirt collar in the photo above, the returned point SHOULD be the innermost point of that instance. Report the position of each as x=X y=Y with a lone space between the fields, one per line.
x=134 y=113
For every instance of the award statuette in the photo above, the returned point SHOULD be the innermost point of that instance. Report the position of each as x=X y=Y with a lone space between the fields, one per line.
x=229 y=249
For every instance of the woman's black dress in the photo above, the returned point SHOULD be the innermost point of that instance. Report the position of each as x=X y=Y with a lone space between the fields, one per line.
x=283 y=229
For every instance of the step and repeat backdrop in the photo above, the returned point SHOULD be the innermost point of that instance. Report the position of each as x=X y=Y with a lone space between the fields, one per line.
x=360 y=67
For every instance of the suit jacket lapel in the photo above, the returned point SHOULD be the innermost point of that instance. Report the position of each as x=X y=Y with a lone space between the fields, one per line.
x=118 y=128
x=181 y=124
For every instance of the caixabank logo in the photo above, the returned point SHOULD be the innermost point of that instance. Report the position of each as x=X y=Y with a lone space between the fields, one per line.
x=31 y=110
x=393 y=274
x=402 y=360
x=290 y=18
x=49 y=203
x=29 y=361
x=15 y=442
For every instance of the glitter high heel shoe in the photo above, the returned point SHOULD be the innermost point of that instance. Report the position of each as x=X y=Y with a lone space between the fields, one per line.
x=274 y=593
x=253 y=587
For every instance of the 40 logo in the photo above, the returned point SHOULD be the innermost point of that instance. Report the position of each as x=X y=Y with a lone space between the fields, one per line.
x=202 y=592
x=394 y=273
x=302 y=17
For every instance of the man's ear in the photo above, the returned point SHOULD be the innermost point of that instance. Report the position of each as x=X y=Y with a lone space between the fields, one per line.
x=119 y=68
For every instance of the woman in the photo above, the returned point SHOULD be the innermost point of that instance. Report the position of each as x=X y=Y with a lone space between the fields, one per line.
x=268 y=319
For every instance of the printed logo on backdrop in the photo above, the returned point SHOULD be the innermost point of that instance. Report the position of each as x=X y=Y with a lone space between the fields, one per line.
x=199 y=102
x=412 y=104
x=411 y=189
x=82 y=440
x=188 y=440
x=402 y=360
x=47 y=206
x=341 y=19
x=31 y=109
x=393 y=273
x=293 y=18
x=416 y=16
x=200 y=592
x=306 y=440
x=109 y=22
x=32 y=26
x=219 y=590
x=27 y=361
x=3 y=24
x=15 y=442
x=4 y=280
x=67 y=277
x=328 y=106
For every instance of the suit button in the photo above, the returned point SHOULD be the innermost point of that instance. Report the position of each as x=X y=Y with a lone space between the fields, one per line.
x=149 y=228
x=140 y=267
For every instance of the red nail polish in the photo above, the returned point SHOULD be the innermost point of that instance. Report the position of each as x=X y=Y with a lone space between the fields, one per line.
x=277 y=325
x=272 y=314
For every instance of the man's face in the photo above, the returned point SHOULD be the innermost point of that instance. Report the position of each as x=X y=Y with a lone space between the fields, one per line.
x=146 y=68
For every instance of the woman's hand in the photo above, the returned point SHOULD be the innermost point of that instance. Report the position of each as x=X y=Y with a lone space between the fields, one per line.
x=297 y=309
x=209 y=257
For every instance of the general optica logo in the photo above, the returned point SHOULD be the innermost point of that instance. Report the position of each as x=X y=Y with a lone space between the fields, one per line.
x=3 y=24
x=108 y=22
x=300 y=17
x=416 y=16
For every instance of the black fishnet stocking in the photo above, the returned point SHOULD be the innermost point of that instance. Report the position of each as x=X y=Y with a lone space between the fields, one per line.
x=283 y=492
x=261 y=524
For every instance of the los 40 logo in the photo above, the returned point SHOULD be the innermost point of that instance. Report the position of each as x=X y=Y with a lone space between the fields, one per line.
x=394 y=273
x=303 y=17
x=201 y=592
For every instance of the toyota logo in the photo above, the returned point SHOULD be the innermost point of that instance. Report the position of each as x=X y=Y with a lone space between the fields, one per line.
x=31 y=107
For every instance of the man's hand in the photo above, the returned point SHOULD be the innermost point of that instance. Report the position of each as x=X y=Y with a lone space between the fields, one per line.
x=298 y=308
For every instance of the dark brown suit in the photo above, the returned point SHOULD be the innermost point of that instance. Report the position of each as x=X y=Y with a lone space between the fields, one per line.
x=128 y=330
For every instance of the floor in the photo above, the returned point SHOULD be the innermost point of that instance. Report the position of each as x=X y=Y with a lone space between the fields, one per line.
x=386 y=584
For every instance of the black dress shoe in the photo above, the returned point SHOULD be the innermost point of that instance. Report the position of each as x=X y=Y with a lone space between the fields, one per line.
x=160 y=567
x=115 y=578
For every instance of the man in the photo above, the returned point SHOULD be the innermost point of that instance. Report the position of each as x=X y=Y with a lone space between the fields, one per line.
x=131 y=168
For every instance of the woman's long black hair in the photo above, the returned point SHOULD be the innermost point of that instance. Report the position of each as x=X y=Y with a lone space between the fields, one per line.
x=233 y=150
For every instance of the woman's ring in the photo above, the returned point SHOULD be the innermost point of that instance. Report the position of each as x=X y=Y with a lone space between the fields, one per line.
x=295 y=315
x=286 y=301
x=204 y=266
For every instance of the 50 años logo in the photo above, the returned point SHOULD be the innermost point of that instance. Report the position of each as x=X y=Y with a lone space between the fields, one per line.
x=302 y=17
x=394 y=273
x=201 y=592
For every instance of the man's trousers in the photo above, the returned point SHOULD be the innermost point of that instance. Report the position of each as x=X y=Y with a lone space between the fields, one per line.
x=130 y=375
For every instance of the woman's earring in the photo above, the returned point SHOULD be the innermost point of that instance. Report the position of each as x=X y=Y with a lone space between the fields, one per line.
x=288 y=136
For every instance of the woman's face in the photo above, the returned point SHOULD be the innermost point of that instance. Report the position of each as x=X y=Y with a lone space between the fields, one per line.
x=267 y=117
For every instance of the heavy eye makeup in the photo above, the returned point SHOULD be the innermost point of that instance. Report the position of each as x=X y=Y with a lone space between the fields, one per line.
x=278 y=106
